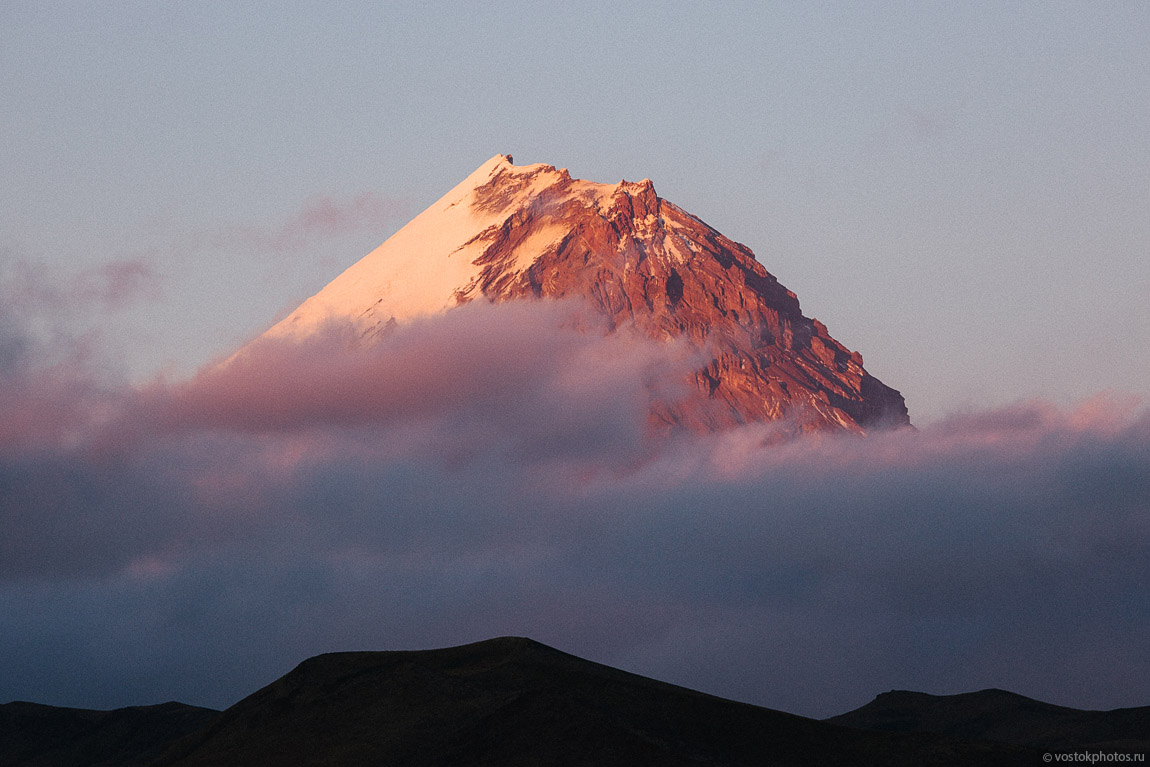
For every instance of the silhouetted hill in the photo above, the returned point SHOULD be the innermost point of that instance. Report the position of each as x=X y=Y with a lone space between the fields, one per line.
x=32 y=735
x=998 y=715
x=512 y=702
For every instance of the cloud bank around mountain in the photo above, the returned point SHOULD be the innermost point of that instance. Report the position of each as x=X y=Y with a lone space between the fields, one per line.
x=489 y=472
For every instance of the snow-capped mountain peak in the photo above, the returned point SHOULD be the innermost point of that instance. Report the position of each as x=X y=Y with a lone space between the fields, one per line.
x=509 y=232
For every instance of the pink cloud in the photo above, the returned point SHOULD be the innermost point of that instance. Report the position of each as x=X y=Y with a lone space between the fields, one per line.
x=118 y=283
x=52 y=393
x=317 y=218
x=517 y=373
x=51 y=408
x=323 y=216
x=31 y=290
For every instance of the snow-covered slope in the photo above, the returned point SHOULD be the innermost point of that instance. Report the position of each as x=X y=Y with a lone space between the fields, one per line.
x=430 y=264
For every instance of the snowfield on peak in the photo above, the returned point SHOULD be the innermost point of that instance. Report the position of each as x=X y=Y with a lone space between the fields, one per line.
x=429 y=265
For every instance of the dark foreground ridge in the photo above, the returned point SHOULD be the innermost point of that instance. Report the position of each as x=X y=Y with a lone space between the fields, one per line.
x=1006 y=717
x=46 y=736
x=514 y=701
x=507 y=702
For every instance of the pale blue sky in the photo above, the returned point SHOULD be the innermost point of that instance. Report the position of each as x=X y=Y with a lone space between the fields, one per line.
x=958 y=190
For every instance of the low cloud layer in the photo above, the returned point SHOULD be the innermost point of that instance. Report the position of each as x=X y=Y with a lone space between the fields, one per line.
x=489 y=472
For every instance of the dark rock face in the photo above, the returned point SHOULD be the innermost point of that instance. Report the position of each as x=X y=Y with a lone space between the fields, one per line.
x=642 y=260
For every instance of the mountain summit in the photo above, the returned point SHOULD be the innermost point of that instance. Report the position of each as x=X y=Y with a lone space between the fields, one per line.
x=526 y=232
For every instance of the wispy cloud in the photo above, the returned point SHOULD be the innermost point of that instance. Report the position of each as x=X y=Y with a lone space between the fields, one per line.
x=317 y=218
x=31 y=291
x=50 y=390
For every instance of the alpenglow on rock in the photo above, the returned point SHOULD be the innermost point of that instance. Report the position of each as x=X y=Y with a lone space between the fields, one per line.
x=527 y=232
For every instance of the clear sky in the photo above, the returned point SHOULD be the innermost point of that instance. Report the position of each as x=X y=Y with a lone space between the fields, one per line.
x=958 y=190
